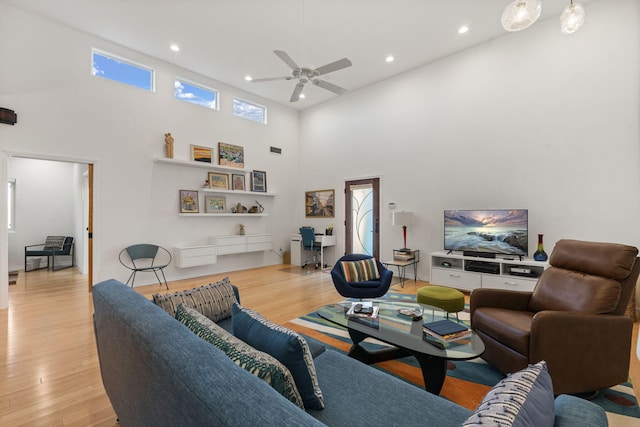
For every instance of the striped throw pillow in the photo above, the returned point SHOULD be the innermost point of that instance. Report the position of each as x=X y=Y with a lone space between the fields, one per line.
x=360 y=271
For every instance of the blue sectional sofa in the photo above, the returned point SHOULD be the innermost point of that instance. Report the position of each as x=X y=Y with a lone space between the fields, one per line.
x=157 y=372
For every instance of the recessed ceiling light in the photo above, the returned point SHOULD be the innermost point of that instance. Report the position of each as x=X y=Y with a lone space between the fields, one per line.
x=302 y=96
x=248 y=78
x=390 y=58
x=463 y=30
x=174 y=47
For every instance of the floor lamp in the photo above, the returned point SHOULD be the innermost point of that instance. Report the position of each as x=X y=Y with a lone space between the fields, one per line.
x=403 y=219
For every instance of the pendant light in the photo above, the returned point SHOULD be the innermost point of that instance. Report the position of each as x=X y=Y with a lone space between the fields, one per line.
x=572 y=18
x=521 y=14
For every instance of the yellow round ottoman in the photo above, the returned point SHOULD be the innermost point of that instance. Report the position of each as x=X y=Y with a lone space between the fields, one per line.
x=448 y=299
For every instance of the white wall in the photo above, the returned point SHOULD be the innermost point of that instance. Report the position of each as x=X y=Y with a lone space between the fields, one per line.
x=65 y=112
x=45 y=204
x=534 y=119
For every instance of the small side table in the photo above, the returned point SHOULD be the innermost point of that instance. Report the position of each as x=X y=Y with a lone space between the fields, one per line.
x=402 y=259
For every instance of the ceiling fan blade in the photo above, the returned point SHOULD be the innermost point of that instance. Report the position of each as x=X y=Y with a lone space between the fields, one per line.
x=286 y=59
x=329 y=86
x=334 y=66
x=269 y=79
x=295 y=96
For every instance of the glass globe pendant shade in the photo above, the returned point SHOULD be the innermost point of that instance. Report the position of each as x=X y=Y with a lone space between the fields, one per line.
x=572 y=18
x=521 y=14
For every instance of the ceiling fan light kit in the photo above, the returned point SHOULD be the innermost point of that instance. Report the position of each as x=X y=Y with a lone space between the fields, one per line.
x=305 y=75
x=521 y=14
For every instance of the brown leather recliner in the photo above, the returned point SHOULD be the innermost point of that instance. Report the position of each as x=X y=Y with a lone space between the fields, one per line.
x=574 y=318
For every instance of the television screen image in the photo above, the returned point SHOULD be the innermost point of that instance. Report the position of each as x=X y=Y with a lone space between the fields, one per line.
x=491 y=231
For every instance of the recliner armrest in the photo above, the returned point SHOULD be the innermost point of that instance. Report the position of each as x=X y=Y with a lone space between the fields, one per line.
x=498 y=298
x=577 y=343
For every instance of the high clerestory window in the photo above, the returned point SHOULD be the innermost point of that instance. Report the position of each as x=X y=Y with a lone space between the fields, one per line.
x=249 y=110
x=113 y=67
x=195 y=93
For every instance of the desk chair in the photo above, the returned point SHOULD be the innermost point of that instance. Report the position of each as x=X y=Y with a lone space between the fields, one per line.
x=145 y=257
x=309 y=244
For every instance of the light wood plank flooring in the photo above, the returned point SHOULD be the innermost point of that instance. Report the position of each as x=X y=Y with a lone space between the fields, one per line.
x=49 y=371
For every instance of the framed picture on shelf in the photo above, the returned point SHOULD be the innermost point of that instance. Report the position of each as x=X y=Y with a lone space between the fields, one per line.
x=230 y=155
x=214 y=204
x=259 y=181
x=189 y=201
x=237 y=182
x=319 y=204
x=219 y=180
x=201 y=154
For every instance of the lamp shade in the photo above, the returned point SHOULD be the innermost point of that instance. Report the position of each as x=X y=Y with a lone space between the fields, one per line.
x=402 y=218
x=521 y=14
x=572 y=18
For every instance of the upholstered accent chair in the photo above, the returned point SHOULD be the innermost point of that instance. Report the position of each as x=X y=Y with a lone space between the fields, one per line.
x=366 y=285
x=54 y=246
x=574 y=318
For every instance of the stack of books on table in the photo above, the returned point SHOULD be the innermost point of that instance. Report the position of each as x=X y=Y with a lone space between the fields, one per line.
x=363 y=309
x=404 y=256
x=443 y=332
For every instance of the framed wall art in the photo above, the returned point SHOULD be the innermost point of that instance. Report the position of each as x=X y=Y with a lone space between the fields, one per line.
x=319 y=204
x=219 y=181
x=259 y=181
x=189 y=201
x=230 y=155
x=237 y=182
x=214 y=204
x=201 y=154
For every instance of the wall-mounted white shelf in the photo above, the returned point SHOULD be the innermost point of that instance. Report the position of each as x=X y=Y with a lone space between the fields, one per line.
x=224 y=214
x=237 y=192
x=200 y=165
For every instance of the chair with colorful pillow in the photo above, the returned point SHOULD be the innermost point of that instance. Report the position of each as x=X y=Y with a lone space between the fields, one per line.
x=361 y=276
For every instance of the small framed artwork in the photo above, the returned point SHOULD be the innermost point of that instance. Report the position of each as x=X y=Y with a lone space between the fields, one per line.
x=319 y=204
x=201 y=154
x=214 y=204
x=189 y=201
x=259 y=181
x=230 y=155
x=219 y=180
x=237 y=182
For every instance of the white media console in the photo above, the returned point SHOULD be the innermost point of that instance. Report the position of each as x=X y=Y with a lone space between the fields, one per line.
x=469 y=272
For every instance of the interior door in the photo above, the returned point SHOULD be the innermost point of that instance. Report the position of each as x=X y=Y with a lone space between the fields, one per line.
x=362 y=217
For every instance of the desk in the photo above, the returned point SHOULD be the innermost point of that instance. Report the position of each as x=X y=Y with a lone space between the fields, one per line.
x=402 y=264
x=296 y=247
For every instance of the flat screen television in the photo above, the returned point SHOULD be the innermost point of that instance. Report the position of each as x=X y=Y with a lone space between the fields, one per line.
x=495 y=232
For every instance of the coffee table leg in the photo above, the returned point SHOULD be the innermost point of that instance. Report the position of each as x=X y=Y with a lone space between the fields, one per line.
x=434 y=371
x=373 y=356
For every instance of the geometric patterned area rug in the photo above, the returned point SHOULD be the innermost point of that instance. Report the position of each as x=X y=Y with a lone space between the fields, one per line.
x=467 y=381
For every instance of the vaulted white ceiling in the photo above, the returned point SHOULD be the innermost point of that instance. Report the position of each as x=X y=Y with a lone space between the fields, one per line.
x=229 y=39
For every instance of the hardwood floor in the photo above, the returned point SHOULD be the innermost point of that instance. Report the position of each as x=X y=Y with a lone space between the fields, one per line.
x=49 y=371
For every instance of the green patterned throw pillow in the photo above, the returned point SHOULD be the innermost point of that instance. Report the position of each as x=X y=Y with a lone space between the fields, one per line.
x=256 y=362
x=214 y=300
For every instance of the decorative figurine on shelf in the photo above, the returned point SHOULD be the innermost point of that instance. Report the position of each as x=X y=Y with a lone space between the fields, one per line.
x=241 y=230
x=540 y=254
x=168 y=145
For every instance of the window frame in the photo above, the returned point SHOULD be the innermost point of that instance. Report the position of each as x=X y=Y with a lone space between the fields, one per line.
x=132 y=63
x=254 y=104
x=201 y=86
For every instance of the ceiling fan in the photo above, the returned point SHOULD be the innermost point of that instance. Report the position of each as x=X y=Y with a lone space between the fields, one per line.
x=305 y=75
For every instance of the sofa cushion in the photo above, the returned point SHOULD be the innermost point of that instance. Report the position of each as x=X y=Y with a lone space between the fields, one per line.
x=360 y=271
x=287 y=346
x=524 y=398
x=213 y=300
x=256 y=362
